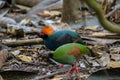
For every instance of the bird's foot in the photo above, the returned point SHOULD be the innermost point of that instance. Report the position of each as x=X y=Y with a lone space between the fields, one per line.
x=70 y=69
x=73 y=68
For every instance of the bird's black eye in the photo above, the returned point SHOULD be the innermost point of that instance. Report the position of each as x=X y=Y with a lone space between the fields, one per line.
x=42 y=35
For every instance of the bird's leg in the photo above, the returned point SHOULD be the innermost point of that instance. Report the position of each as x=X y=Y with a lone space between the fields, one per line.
x=70 y=69
x=75 y=68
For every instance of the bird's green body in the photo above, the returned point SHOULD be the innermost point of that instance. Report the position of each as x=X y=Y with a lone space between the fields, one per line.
x=69 y=53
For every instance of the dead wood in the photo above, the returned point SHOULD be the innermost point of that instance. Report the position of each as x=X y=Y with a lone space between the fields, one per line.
x=105 y=35
x=23 y=42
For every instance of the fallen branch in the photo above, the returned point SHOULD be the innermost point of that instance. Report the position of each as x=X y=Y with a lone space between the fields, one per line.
x=105 y=35
x=24 y=42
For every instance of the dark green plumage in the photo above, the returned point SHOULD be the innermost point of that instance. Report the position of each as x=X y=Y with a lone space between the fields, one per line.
x=69 y=53
x=59 y=38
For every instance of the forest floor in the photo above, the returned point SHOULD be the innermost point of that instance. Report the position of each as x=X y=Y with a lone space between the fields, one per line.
x=23 y=56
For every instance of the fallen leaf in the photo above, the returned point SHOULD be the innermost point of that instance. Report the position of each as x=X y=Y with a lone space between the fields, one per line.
x=49 y=13
x=11 y=30
x=55 y=13
x=15 y=53
x=58 y=77
x=105 y=59
x=25 y=58
x=25 y=21
x=93 y=28
x=114 y=64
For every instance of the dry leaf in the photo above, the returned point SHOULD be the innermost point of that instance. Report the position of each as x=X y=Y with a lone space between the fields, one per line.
x=25 y=21
x=97 y=51
x=105 y=59
x=25 y=58
x=55 y=13
x=49 y=13
x=93 y=28
x=15 y=53
x=44 y=14
x=58 y=77
x=114 y=64
x=11 y=30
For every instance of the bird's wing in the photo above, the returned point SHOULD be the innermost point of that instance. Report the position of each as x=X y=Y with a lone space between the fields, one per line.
x=66 y=38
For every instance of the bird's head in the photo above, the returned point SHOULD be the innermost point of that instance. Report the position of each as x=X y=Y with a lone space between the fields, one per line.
x=46 y=31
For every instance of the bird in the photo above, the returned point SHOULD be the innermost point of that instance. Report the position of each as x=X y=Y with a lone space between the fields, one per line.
x=69 y=54
x=53 y=39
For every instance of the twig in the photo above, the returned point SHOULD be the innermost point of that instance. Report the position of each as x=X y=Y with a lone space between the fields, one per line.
x=24 y=42
x=105 y=35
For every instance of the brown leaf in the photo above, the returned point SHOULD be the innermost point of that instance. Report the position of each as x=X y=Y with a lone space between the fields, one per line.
x=93 y=28
x=25 y=58
x=49 y=13
x=114 y=64
x=105 y=59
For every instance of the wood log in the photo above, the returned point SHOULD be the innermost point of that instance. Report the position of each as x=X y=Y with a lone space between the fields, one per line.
x=23 y=42
x=29 y=3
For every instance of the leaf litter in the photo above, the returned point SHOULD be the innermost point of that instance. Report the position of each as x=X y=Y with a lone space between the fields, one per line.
x=31 y=61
